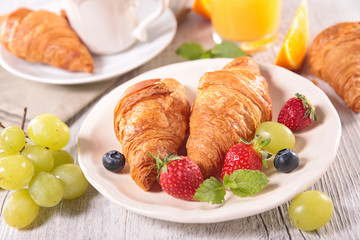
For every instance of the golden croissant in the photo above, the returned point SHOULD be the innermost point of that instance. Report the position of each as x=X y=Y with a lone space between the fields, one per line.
x=229 y=105
x=151 y=117
x=334 y=56
x=44 y=37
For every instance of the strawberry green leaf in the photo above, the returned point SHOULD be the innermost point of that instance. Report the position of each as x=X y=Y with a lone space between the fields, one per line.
x=246 y=142
x=310 y=109
x=171 y=157
x=264 y=142
x=161 y=165
x=264 y=156
x=245 y=183
x=211 y=190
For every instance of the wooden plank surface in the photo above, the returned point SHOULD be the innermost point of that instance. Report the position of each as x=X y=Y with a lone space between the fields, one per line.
x=92 y=216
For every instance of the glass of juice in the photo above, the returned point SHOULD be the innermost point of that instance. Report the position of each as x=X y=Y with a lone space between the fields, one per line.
x=252 y=23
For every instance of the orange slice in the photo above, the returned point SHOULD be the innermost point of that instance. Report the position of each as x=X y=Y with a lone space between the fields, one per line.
x=202 y=7
x=293 y=50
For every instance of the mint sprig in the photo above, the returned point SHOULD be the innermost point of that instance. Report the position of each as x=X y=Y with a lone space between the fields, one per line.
x=193 y=51
x=242 y=183
x=227 y=50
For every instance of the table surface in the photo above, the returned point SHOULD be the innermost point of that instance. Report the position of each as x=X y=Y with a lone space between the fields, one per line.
x=92 y=216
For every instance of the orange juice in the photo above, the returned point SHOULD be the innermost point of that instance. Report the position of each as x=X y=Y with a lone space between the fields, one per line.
x=245 y=20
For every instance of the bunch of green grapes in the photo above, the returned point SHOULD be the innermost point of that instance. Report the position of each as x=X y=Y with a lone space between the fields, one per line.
x=39 y=171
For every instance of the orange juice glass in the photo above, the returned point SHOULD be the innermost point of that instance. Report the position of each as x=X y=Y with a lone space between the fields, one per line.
x=252 y=23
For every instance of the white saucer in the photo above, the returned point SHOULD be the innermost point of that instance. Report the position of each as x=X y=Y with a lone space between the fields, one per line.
x=316 y=146
x=161 y=32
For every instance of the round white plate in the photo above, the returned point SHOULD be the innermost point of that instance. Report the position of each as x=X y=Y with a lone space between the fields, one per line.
x=160 y=34
x=316 y=147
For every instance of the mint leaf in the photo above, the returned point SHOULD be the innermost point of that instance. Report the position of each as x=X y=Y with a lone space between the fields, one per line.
x=190 y=51
x=206 y=54
x=193 y=51
x=245 y=183
x=226 y=50
x=211 y=190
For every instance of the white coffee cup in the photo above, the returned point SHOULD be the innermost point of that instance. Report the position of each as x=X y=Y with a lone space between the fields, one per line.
x=109 y=26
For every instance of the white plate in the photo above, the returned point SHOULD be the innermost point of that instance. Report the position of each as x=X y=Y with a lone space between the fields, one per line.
x=160 y=34
x=316 y=147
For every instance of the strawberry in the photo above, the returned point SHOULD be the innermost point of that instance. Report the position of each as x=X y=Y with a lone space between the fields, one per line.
x=178 y=176
x=297 y=113
x=245 y=155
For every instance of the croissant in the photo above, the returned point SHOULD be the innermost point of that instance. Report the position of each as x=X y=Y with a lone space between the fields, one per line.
x=44 y=37
x=152 y=116
x=334 y=56
x=229 y=105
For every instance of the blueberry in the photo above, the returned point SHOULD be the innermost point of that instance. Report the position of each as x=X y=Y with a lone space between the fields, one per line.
x=286 y=160
x=113 y=161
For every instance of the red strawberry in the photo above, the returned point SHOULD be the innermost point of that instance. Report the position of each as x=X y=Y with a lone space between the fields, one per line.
x=178 y=176
x=245 y=155
x=297 y=113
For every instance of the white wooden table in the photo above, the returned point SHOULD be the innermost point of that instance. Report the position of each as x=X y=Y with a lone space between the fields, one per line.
x=92 y=216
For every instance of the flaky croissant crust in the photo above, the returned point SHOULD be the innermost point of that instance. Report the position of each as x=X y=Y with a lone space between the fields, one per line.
x=44 y=37
x=229 y=105
x=152 y=116
x=334 y=56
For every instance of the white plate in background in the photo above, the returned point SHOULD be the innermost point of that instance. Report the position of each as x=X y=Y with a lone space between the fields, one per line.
x=160 y=33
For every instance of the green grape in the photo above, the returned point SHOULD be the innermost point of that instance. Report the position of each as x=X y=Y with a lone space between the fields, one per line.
x=12 y=139
x=20 y=209
x=16 y=172
x=41 y=157
x=72 y=179
x=46 y=189
x=64 y=140
x=47 y=130
x=61 y=157
x=4 y=154
x=280 y=135
x=311 y=210
x=27 y=143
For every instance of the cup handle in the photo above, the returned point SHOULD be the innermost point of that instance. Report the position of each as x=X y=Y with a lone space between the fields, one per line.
x=140 y=32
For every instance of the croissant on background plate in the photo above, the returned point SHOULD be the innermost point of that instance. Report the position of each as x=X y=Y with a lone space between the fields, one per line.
x=334 y=56
x=229 y=105
x=152 y=116
x=44 y=37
